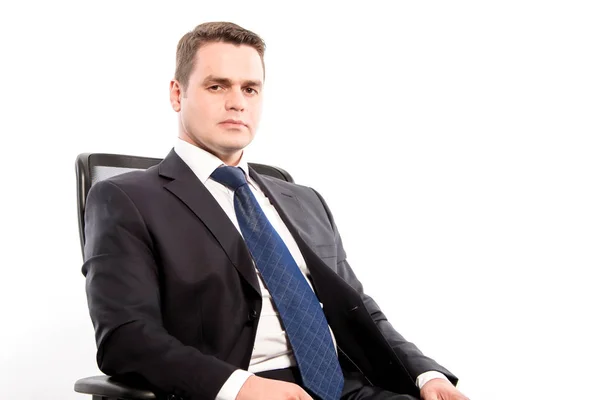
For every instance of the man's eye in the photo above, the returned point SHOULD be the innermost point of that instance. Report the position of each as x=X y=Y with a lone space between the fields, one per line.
x=214 y=88
x=251 y=91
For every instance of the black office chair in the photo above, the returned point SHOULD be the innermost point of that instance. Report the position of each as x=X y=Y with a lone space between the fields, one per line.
x=89 y=169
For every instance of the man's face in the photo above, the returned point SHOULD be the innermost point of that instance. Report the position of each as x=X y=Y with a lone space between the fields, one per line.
x=221 y=108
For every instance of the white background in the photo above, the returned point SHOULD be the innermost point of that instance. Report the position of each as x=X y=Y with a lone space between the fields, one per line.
x=456 y=143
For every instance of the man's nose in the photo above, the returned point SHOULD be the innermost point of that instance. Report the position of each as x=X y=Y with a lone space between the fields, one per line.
x=235 y=100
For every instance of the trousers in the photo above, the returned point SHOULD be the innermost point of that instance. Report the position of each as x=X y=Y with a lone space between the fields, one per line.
x=355 y=386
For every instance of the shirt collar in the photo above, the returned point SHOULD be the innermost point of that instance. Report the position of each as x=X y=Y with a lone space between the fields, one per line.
x=203 y=163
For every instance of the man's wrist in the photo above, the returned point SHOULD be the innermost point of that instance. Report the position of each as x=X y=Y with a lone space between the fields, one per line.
x=429 y=375
x=233 y=385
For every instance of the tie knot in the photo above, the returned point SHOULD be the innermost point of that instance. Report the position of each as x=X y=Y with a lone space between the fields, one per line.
x=232 y=177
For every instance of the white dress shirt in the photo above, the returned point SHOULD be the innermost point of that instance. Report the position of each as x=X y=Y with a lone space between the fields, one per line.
x=271 y=347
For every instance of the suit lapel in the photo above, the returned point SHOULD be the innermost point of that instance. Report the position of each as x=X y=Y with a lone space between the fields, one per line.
x=186 y=186
x=338 y=297
x=286 y=203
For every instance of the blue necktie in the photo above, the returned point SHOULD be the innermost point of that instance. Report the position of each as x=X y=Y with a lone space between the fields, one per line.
x=299 y=309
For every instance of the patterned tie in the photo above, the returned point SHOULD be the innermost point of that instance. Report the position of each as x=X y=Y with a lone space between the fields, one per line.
x=299 y=309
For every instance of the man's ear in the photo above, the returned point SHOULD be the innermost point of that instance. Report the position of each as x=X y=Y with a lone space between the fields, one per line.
x=176 y=93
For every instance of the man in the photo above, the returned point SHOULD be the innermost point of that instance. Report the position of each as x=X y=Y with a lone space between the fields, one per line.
x=209 y=281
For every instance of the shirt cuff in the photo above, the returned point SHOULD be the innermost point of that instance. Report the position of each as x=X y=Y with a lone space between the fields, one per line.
x=429 y=375
x=233 y=385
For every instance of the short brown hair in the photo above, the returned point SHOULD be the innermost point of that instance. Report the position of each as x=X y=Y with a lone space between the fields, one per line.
x=210 y=32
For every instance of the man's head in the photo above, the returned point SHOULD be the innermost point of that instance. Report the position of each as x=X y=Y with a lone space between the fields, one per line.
x=217 y=88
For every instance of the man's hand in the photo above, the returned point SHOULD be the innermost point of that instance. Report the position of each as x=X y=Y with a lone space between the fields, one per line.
x=441 y=389
x=257 y=388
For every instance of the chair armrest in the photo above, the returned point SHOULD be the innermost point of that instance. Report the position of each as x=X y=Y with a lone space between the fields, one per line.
x=106 y=386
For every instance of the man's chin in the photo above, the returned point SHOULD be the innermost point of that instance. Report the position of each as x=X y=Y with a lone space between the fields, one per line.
x=236 y=143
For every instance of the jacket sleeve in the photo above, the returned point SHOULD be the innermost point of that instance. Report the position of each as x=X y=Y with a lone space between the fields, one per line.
x=412 y=358
x=124 y=300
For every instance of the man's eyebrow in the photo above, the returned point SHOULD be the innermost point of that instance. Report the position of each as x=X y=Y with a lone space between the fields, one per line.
x=257 y=84
x=227 y=81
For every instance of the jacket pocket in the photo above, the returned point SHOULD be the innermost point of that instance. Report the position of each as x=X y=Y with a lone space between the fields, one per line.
x=325 y=250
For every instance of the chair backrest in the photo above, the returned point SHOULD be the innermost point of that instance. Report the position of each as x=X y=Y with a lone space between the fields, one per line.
x=94 y=167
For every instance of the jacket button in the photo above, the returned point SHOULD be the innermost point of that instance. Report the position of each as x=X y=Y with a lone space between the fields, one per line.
x=252 y=315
